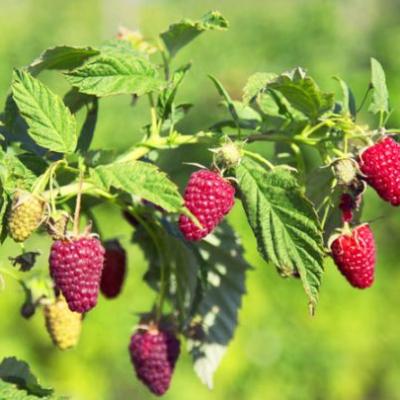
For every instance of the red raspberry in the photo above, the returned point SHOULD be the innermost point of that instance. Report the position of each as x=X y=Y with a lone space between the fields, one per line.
x=354 y=254
x=347 y=205
x=154 y=353
x=76 y=265
x=209 y=197
x=380 y=165
x=114 y=269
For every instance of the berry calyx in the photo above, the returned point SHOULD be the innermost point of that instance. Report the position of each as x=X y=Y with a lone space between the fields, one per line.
x=76 y=265
x=209 y=197
x=354 y=254
x=154 y=352
x=26 y=214
x=64 y=326
x=114 y=270
x=380 y=165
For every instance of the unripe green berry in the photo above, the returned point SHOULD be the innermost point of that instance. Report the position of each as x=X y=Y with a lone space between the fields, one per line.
x=26 y=214
x=229 y=155
x=346 y=171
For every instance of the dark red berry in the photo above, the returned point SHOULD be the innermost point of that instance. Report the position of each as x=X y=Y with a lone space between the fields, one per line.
x=209 y=197
x=347 y=205
x=354 y=253
x=380 y=165
x=154 y=353
x=76 y=265
x=114 y=269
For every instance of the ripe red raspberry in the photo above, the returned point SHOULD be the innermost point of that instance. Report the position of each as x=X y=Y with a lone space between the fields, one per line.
x=354 y=254
x=76 y=265
x=114 y=269
x=209 y=197
x=154 y=353
x=380 y=165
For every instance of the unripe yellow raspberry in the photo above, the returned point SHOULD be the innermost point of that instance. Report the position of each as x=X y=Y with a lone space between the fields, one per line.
x=26 y=214
x=63 y=325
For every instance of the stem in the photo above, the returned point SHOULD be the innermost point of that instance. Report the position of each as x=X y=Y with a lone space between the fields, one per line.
x=259 y=158
x=154 y=132
x=78 y=200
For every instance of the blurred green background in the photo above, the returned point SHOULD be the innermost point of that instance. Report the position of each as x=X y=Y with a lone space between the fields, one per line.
x=351 y=349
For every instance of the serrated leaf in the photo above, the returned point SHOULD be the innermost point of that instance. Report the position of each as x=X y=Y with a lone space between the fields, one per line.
x=380 y=94
x=18 y=372
x=218 y=309
x=141 y=179
x=284 y=223
x=255 y=84
x=206 y=284
x=61 y=58
x=302 y=93
x=116 y=74
x=118 y=47
x=180 y=34
x=51 y=124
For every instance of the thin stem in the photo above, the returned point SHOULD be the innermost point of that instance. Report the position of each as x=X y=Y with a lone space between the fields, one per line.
x=259 y=158
x=78 y=200
x=154 y=132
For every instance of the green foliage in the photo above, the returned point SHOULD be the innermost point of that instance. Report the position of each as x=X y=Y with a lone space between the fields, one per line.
x=18 y=383
x=284 y=223
x=50 y=122
x=141 y=179
x=380 y=94
x=116 y=74
x=180 y=34
x=302 y=93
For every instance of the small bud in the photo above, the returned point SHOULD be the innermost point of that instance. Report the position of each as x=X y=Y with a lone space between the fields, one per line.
x=346 y=171
x=228 y=155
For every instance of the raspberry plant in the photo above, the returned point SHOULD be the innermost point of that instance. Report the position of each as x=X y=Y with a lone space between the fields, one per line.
x=259 y=157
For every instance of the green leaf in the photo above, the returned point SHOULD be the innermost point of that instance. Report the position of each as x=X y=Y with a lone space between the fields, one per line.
x=284 y=223
x=119 y=47
x=380 y=94
x=141 y=179
x=61 y=58
x=116 y=74
x=51 y=124
x=255 y=84
x=166 y=99
x=217 y=313
x=302 y=93
x=87 y=132
x=180 y=34
x=206 y=285
x=14 y=174
x=75 y=100
x=349 y=101
x=18 y=373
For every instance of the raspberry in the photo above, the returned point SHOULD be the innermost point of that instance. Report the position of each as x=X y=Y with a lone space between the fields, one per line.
x=64 y=326
x=27 y=212
x=347 y=205
x=380 y=164
x=154 y=353
x=114 y=269
x=76 y=265
x=354 y=254
x=209 y=197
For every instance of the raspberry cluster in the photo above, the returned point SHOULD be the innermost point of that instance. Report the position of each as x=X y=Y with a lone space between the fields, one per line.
x=209 y=197
x=154 y=353
x=76 y=265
